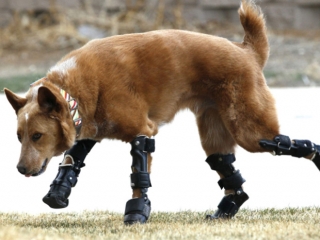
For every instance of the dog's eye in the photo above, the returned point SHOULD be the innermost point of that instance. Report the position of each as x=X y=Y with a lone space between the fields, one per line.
x=19 y=137
x=36 y=136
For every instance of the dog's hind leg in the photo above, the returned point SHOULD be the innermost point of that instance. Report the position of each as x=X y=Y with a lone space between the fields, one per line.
x=219 y=147
x=282 y=145
x=231 y=181
x=138 y=208
x=254 y=126
x=67 y=176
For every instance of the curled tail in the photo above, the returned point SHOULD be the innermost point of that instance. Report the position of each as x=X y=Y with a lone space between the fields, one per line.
x=253 y=22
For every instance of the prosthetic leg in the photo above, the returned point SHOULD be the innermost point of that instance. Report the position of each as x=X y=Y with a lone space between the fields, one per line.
x=232 y=180
x=282 y=145
x=138 y=209
x=67 y=176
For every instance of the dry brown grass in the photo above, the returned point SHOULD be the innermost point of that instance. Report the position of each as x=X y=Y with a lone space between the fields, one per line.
x=264 y=224
x=57 y=28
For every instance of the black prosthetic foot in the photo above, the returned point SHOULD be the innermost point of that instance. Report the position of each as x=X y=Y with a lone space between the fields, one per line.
x=229 y=206
x=137 y=211
x=57 y=198
x=68 y=174
x=60 y=188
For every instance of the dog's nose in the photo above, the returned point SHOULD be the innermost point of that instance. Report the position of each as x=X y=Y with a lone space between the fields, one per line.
x=22 y=170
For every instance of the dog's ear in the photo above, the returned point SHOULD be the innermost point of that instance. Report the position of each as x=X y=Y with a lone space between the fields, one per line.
x=15 y=101
x=47 y=100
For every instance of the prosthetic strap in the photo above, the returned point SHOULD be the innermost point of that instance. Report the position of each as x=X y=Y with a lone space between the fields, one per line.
x=231 y=203
x=223 y=164
x=138 y=209
x=282 y=145
x=140 y=147
x=68 y=173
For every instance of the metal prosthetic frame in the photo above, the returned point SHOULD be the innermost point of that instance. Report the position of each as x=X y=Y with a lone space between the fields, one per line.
x=138 y=209
x=67 y=176
x=230 y=203
x=282 y=145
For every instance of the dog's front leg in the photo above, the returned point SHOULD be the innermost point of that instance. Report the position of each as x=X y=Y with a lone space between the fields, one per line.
x=67 y=176
x=138 y=208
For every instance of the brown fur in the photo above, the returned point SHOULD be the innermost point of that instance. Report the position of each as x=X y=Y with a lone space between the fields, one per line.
x=128 y=85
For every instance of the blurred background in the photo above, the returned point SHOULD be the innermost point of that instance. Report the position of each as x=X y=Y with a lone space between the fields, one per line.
x=35 y=34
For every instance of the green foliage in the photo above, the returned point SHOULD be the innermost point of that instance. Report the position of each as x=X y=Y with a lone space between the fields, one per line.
x=19 y=83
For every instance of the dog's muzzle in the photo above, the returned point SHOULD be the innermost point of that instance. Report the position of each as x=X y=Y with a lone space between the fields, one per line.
x=43 y=167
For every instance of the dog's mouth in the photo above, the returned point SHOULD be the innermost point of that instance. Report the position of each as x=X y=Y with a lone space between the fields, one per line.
x=43 y=168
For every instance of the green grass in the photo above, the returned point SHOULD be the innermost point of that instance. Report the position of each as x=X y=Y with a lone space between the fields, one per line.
x=19 y=83
x=290 y=223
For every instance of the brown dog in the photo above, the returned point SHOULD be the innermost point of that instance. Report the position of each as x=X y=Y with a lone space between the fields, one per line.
x=127 y=86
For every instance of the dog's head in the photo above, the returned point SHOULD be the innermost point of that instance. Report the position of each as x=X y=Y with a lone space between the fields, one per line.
x=45 y=127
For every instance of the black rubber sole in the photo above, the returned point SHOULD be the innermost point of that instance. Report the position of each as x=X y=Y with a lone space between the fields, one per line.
x=216 y=216
x=55 y=201
x=134 y=218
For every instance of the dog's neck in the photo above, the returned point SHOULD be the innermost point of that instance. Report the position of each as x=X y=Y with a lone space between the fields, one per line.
x=73 y=106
